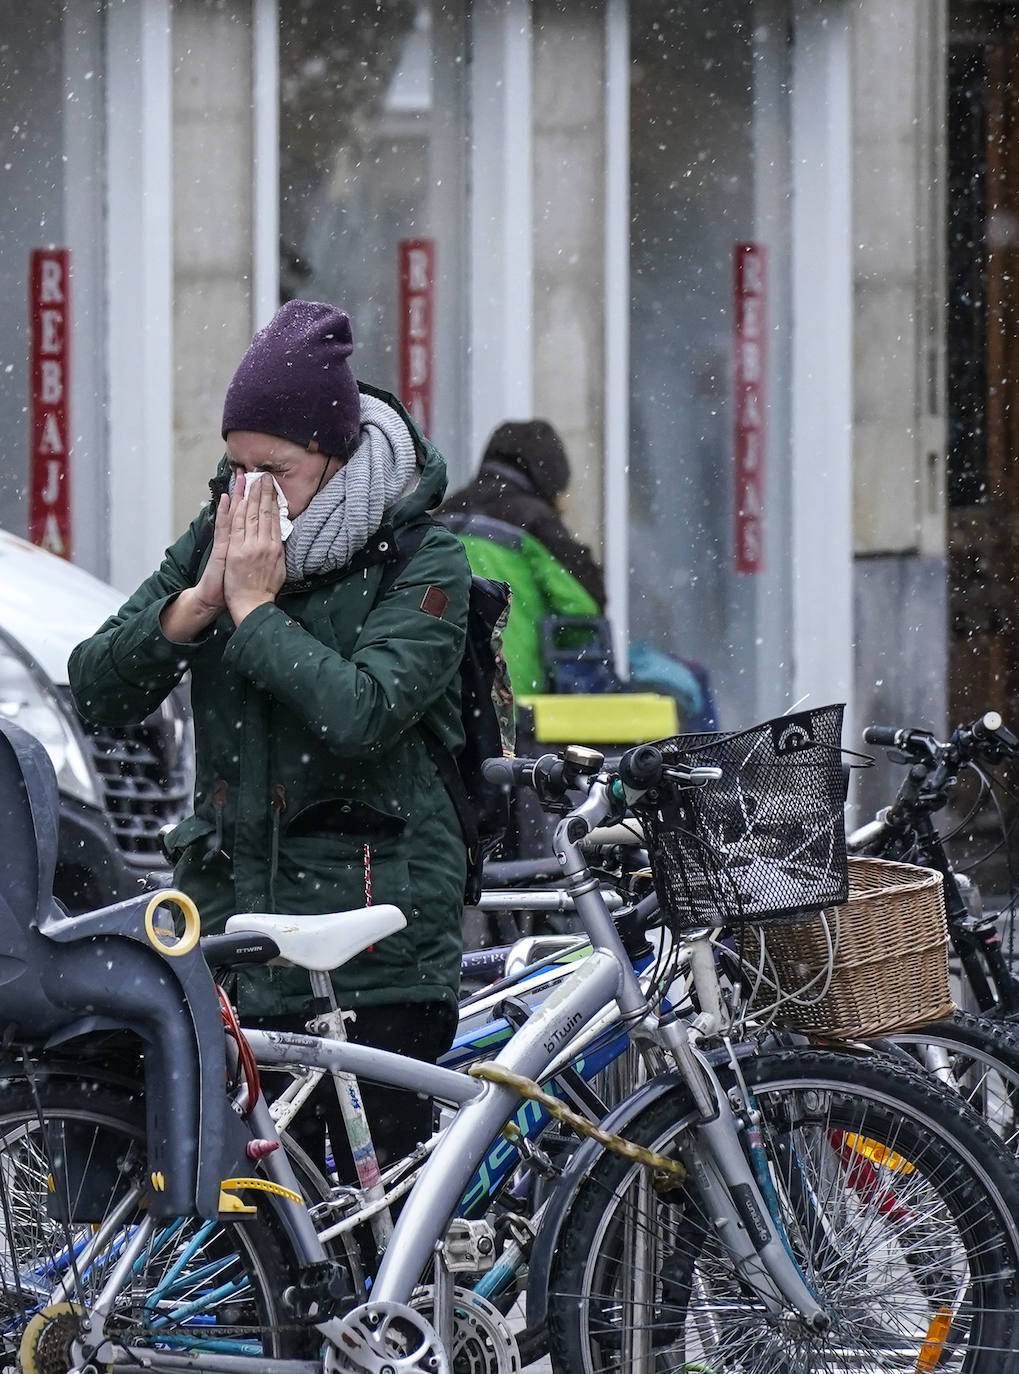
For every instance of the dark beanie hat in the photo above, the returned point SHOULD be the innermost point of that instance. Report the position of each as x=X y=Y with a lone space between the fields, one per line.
x=294 y=381
x=535 y=448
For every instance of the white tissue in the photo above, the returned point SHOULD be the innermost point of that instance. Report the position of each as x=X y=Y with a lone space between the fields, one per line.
x=286 y=524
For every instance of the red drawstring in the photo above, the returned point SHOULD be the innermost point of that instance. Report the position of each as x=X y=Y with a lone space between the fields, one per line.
x=368 y=884
x=248 y=1066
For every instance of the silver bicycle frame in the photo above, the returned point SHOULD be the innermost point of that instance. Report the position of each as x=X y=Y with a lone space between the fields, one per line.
x=713 y=1152
x=715 y=1156
x=484 y=1108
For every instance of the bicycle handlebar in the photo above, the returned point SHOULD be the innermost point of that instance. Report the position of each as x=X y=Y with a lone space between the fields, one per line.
x=544 y=772
x=238 y=949
x=640 y=768
x=636 y=772
x=934 y=763
x=991 y=729
x=987 y=735
x=883 y=735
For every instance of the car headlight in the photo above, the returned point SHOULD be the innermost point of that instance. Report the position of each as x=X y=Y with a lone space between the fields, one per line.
x=29 y=702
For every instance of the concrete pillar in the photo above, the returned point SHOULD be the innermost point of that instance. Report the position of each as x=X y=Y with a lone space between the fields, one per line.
x=500 y=376
x=899 y=432
x=821 y=457
x=898 y=187
x=139 y=285
x=84 y=210
x=569 y=247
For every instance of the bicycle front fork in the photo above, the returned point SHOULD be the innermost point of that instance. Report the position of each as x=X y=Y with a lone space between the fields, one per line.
x=731 y=1195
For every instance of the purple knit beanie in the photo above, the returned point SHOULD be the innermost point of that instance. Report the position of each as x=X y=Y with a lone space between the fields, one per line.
x=294 y=382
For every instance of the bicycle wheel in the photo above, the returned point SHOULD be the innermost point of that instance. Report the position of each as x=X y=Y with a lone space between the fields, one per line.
x=976 y=1058
x=197 y=1286
x=900 y=1208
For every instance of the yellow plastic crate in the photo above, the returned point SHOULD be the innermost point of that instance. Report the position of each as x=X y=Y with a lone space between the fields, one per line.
x=622 y=718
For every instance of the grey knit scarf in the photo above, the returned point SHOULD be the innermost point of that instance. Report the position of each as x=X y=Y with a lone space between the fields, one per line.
x=342 y=517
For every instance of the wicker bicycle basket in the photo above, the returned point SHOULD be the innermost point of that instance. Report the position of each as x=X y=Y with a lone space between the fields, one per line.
x=767 y=840
x=874 y=965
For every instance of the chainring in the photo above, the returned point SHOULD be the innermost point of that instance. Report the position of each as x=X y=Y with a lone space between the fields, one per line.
x=483 y=1342
x=385 y=1338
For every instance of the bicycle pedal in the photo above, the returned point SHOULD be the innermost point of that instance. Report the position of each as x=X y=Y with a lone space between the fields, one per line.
x=469 y=1246
x=323 y=1289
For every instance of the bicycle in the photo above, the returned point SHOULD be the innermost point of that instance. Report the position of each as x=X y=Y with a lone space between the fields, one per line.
x=623 y=1324
x=279 y=1294
x=905 y=830
x=976 y=1057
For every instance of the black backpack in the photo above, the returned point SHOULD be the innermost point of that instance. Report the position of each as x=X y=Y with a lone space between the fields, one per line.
x=486 y=705
x=486 y=710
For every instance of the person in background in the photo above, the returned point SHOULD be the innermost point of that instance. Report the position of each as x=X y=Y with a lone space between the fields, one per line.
x=508 y=518
x=314 y=792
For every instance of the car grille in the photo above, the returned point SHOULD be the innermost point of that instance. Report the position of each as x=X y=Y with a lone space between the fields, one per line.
x=147 y=775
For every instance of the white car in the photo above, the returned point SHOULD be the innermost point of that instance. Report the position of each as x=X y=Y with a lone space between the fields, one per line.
x=118 y=786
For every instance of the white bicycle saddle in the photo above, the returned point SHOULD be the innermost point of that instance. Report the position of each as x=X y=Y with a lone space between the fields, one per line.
x=322 y=943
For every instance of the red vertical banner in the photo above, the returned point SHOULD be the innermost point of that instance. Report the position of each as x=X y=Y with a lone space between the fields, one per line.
x=49 y=476
x=750 y=298
x=417 y=316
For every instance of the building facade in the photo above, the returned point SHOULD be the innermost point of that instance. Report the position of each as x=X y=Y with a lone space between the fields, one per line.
x=704 y=241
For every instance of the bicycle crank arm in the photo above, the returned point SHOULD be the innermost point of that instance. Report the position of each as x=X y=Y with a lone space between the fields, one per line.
x=386 y=1338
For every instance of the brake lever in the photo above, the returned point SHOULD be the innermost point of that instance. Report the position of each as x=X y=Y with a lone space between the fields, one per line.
x=693 y=777
x=899 y=756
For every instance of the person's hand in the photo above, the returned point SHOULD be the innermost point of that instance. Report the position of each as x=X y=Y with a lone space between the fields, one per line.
x=195 y=609
x=254 y=569
x=208 y=591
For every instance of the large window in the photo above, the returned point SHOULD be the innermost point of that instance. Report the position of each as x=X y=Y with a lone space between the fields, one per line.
x=372 y=157
x=53 y=159
x=709 y=171
x=32 y=216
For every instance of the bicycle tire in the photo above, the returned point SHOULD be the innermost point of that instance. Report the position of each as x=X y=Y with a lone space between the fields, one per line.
x=210 y=1286
x=976 y=1058
x=900 y=1207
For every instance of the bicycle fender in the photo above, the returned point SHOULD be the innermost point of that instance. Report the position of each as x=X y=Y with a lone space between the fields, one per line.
x=561 y=1200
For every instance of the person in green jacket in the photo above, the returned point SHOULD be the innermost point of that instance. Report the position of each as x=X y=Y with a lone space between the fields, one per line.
x=310 y=670
x=509 y=521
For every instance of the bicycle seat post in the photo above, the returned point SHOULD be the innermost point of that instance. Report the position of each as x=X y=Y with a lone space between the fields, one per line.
x=329 y=1023
x=325 y=999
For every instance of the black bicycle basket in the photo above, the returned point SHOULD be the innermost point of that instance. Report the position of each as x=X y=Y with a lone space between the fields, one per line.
x=767 y=840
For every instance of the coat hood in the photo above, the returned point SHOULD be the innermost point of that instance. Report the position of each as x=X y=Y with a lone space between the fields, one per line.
x=431 y=488
x=535 y=449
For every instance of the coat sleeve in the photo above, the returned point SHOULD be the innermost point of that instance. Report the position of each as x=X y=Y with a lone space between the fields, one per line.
x=406 y=655
x=563 y=593
x=128 y=666
x=572 y=556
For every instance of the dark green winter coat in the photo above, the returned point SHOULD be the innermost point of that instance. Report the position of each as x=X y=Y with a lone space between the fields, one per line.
x=314 y=791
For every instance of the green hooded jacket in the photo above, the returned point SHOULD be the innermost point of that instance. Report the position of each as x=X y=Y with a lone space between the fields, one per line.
x=314 y=792
x=541 y=587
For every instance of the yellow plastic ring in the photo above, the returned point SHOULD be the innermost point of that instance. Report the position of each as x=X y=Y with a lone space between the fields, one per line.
x=192 y=923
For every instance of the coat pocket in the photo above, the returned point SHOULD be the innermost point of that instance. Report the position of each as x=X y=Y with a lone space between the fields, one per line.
x=182 y=836
x=336 y=816
x=319 y=873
